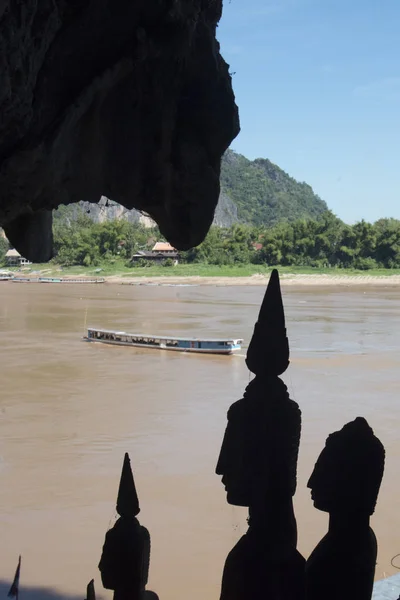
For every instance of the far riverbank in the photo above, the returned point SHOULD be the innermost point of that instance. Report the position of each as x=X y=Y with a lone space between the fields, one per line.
x=214 y=275
x=295 y=279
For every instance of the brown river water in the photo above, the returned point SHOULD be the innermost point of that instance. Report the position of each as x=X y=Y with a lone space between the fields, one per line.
x=69 y=410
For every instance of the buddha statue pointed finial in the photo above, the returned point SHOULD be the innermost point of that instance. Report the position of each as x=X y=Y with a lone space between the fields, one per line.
x=127 y=500
x=268 y=351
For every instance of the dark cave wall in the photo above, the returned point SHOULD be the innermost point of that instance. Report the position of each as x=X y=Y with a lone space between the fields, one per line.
x=131 y=100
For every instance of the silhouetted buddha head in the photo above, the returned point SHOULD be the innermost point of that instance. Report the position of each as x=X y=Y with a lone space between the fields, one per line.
x=348 y=473
x=260 y=446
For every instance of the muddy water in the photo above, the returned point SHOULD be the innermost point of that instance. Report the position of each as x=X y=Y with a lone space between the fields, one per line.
x=69 y=410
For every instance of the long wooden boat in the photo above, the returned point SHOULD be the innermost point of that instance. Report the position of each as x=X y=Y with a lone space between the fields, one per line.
x=54 y=280
x=178 y=344
x=25 y=280
x=69 y=280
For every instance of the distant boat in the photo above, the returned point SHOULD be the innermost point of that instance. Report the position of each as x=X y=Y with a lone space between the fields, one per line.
x=69 y=280
x=160 y=284
x=54 y=280
x=25 y=280
x=178 y=344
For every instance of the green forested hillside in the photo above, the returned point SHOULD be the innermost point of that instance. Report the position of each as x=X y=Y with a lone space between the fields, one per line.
x=264 y=194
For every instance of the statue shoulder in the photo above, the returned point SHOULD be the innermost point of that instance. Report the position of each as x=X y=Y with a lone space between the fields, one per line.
x=236 y=409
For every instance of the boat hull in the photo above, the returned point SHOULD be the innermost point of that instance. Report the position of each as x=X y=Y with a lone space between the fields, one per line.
x=163 y=347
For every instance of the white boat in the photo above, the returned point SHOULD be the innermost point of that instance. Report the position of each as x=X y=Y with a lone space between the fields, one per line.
x=178 y=344
x=54 y=280
x=69 y=280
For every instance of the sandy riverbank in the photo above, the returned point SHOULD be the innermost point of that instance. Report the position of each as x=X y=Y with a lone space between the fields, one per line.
x=287 y=279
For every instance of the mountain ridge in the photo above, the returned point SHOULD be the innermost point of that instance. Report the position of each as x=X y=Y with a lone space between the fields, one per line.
x=264 y=193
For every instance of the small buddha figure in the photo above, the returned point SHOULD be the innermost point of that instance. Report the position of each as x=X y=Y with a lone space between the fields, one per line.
x=258 y=462
x=125 y=560
x=345 y=483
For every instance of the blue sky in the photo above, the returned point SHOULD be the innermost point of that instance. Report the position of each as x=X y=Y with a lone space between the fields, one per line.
x=318 y=88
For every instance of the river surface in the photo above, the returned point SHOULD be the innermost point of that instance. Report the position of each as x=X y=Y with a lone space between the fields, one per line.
x=69 y=410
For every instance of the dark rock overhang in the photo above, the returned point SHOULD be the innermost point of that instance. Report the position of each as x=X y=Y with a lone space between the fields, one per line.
x=131 y=100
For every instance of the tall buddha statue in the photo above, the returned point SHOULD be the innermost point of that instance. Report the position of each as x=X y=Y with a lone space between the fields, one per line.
x=124 y=564
x=258 y=463
x=345 y=483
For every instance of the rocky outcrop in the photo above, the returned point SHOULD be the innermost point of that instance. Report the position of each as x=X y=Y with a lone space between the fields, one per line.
x=108 y=210
x=130 y=99
x=225 y=214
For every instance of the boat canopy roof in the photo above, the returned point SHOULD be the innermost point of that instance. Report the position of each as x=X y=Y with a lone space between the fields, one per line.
x=165 y=337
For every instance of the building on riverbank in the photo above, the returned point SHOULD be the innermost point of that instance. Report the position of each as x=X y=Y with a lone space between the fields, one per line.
x=164 y=248
x=14 y=259
x=160 y=252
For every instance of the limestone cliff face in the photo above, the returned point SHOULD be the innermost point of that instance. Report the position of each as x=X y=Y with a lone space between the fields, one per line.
x=107 y=210
x=130 y=99
x=226 y=213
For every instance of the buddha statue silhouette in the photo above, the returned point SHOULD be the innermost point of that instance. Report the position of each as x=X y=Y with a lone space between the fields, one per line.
x=125 y=560
x=345 y=483
x=258 y=462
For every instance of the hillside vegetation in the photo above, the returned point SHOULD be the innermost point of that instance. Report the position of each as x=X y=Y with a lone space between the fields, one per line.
x=264 y=194
x=325 y=242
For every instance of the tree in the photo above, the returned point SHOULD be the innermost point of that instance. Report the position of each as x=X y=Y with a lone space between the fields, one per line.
x=4 y=246
x=387 y=250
